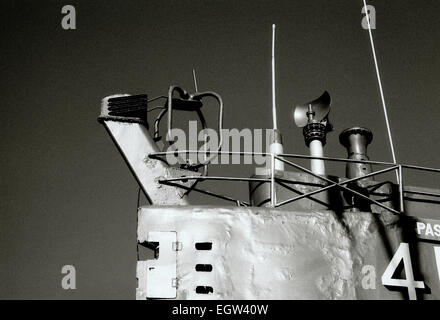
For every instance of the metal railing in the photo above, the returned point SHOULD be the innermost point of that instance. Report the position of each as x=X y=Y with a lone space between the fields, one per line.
x=273 y=179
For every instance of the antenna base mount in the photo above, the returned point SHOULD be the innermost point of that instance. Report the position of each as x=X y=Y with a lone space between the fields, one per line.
x=315 y=131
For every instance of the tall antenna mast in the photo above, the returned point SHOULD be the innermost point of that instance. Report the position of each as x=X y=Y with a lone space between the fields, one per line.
x=379 y=81
x=274 y=105
x=276 y=146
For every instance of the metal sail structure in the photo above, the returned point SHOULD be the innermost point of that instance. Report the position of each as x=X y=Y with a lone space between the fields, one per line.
x=301 y=234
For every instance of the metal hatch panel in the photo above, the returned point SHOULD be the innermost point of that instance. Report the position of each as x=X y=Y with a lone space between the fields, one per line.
x=157 y=277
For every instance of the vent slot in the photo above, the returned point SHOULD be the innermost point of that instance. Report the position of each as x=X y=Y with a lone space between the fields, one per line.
x=204 y=290
x=203 y=267
x=203 y=245
x=129 y=106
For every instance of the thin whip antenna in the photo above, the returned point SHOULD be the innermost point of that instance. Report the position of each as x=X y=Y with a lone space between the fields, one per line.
x=380 y=87
x=274 y=106
x=195 y=81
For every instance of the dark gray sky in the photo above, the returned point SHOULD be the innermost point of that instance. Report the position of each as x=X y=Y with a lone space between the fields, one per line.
x=67 y=197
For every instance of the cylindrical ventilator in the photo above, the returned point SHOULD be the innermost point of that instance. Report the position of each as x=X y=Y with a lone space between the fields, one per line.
x=356 y=140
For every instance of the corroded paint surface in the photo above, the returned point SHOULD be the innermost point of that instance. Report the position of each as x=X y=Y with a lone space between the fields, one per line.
x=262 y=253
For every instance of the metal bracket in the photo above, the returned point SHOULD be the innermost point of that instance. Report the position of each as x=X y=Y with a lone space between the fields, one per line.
x=174 y=283
x=177 y=246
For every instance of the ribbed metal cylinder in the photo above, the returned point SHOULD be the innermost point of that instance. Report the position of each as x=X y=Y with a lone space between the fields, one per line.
x=356 y=140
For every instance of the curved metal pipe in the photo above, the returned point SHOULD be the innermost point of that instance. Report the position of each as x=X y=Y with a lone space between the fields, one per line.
x=203 y=122
x=184 y=95
x=196 y=96
x=216 y=96
x=156 y=124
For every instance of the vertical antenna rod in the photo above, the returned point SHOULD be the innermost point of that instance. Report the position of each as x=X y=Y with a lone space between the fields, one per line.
x=276 y=146
x=380 y=86
x=195 y=81
x=274 y=106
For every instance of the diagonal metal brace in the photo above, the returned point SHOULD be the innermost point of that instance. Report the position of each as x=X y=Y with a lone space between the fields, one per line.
x=340 y=185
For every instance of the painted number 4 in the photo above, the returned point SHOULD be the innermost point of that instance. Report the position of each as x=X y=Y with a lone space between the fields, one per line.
x=402 y=253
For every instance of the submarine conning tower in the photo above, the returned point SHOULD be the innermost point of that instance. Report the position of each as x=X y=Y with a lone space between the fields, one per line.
x=303 y=234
